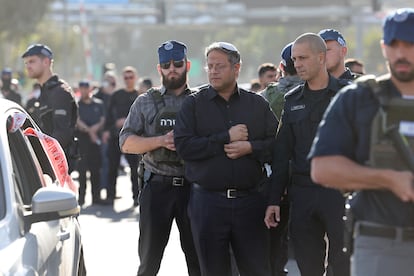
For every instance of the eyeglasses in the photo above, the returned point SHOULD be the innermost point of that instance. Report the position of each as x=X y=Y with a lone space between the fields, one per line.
x=215 y=67
x=128 y=77
x=177 y=64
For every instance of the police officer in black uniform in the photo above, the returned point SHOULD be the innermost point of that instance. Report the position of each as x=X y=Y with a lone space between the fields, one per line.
x=148 y=130
x=57 y=111
x=89 y=128
x=346 y=155
x=335 y=58
x=315 y=211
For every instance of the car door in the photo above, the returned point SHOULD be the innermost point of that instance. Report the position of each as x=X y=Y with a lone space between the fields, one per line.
x=41 y=248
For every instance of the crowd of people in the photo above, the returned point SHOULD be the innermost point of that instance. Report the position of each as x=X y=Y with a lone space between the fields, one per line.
x=244 y=172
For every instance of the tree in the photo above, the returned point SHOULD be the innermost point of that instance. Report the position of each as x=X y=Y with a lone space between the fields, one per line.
x=20 y=17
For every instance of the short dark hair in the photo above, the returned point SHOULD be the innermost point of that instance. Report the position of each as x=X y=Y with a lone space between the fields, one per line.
x=146 y=81
x=353 y=61
x=264 y=67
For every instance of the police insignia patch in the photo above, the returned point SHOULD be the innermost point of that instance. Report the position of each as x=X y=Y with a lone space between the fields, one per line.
x=168 y=46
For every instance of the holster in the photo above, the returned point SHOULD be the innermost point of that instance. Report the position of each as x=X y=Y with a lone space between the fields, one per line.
x=349 y=223
x=140 y=174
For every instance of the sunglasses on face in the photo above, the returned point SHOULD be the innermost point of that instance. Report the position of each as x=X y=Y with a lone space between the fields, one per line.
x=177 y=64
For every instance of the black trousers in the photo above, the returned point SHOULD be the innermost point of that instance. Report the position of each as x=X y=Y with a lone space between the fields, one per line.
x=114 y=157
x=90 y=161
x=219 y=223
x=279 y=241
x=160 y=204
x=317 y=212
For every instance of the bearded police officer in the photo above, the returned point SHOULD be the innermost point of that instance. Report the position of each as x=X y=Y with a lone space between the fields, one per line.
x=148 y=130
x=346 y=155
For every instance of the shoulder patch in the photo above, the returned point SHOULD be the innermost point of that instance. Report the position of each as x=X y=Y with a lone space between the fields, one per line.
x=294 y=91
x=66 y=87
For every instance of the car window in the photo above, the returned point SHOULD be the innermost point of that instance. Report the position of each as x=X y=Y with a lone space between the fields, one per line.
x=25 y=172
x=44 y=162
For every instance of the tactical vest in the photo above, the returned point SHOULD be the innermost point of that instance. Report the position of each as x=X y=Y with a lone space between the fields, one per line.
x=164 y=121
x=390 y=146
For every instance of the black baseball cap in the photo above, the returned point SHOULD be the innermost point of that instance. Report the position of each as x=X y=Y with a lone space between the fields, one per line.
x=38 y=49
x=84 y=83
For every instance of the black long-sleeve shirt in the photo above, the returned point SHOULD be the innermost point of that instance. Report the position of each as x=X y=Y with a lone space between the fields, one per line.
x=119 y=104
x=202 y=130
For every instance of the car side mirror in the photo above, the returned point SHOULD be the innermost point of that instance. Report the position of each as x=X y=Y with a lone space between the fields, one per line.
x=52 y=203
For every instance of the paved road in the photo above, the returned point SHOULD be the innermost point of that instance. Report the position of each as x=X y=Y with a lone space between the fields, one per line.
x=110 y=238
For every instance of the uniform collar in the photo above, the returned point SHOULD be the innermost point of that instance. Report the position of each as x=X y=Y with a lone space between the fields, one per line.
x=212 y=93
x=332 y=88
x=348 y=75
x=163 y=90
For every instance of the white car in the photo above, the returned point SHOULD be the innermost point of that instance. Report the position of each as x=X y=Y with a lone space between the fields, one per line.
x=39 y=229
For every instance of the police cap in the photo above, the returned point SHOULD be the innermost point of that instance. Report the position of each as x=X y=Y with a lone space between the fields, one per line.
x=38 y=49
x=399 y=25
x=286 y=55
x=331 y=34
x=172 y=50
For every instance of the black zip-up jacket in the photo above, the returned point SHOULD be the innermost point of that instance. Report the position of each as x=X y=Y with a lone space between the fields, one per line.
x=303 y=110
x=58 y=111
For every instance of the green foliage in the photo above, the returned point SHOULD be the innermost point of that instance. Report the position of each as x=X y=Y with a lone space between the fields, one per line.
x=20 y=17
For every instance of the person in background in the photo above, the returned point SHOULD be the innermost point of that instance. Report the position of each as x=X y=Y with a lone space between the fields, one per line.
x=267 y=73
x=119 y=105
x=165 y=193
x=314 y=211
x=7 y=86
x=335 y=54
x=345 y=148
x=103 y=93
x=144 y=84
x=255 y=85
x=224 y=148
x=57 y=113
x=275 y=92
x=89 y=126
x=355 y=65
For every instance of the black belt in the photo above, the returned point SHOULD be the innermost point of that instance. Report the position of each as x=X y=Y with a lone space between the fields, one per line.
x=174 y=180
x=406 y=234
x=227 y=193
